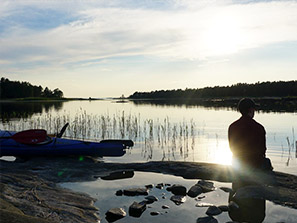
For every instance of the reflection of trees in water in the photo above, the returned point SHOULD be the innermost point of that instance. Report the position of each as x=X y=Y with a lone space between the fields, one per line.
x=19 y=110
x=266 y=104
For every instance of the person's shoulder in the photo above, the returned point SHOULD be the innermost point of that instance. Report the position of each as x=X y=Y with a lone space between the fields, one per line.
x=257 y=124
x=235 y=123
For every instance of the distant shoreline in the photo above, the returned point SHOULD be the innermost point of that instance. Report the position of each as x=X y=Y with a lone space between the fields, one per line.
x=277 y=104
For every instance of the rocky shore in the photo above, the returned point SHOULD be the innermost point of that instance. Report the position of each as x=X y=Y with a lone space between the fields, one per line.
x=30 y=190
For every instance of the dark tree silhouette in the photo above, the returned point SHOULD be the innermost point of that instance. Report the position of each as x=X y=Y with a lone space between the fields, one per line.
x=16 y=89
x=264 y=89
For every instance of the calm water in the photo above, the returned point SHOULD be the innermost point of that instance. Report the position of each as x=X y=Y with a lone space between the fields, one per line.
x=187 y=133
x=104 y=192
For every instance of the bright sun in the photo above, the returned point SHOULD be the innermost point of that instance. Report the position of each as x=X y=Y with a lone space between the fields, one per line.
x=223 y=154
x=223 y=35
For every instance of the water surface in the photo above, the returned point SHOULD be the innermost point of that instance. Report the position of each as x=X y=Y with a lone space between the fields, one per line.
x=104 y=191
x=160 y=132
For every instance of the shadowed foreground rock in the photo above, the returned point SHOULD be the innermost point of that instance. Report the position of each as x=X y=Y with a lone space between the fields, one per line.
x=30 y=190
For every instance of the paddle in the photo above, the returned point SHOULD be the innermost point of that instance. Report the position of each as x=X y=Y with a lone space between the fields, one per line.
x=32 y=136
x=62 y=130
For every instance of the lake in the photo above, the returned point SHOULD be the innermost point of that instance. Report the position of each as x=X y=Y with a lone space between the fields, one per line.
x=160 y=132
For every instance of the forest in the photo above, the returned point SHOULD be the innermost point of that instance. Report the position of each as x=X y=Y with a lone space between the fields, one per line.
x=263 y=89
x=16 y=89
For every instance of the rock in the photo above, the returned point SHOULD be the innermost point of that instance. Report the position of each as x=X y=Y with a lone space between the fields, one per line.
x=154 y=213
x=177 y=189
x=249 y=192
x=233 y=206
x=136 y=191
x=208 y=219
x=149 y=186
x=115 y=214
x=136 y=209
x=204 y=205
x=226 y=189
x=213 y=210
x=178 y=199
x=200 y=198
x=194 y=191
x=119 y=175
x=165 y=207
x=206 y=186
x=119 y=193
x=224 y=208
x=151 y=199
x=160 y=186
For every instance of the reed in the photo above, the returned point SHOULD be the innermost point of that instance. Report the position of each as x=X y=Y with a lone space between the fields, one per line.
x=148 y=133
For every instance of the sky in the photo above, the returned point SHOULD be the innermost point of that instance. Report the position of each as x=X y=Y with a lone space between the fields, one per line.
x=109 y=48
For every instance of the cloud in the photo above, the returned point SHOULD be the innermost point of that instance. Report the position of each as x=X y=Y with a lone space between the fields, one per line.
x=94 y=31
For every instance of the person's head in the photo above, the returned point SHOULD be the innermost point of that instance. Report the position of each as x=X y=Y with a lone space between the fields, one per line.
x=246 y=106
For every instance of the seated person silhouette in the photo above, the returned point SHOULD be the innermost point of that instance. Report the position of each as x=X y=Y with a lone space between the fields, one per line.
x=247 y=141
x=251 y=168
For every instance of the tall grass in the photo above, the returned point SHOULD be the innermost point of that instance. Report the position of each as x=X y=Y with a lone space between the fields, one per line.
x=171 y=137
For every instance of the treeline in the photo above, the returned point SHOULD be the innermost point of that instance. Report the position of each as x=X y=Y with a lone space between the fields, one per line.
x=263 y=89
x=16 y=89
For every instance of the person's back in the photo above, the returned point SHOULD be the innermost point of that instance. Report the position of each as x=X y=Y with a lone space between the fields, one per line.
x=247 y=141
x=247 y=137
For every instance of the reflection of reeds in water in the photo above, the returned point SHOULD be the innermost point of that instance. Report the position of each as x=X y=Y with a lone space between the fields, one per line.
x=291 y=147
x=171 y=138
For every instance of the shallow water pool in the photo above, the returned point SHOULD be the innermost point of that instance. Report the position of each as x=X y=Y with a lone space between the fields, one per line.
x=104 y=191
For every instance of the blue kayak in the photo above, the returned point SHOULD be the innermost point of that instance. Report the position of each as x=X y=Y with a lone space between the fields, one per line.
x=12 y=144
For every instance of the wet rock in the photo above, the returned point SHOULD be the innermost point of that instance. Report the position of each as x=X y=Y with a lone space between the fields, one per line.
x=151 y=199
x=154 y=213
x=194 y=191
x=136 y=191
x=204 y=205
x=165 y=207
x=226 y=189
x=160 y=186
x=178 y=199
x=119 y=192
x=249 y=192
x=208 y=219
x=200 y=198
x=213 y=210
x=233 y=206
x=224 y=208
x=119 y=175
x=115 y=214
x=206 y=186
x=177 y=189
x=136 y=209
x=149 y=186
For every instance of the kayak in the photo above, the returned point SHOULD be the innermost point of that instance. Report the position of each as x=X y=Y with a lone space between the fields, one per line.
x=21 y=144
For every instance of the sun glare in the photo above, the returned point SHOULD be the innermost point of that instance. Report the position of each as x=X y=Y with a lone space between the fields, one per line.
x=223 y=155
x=223 y=35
